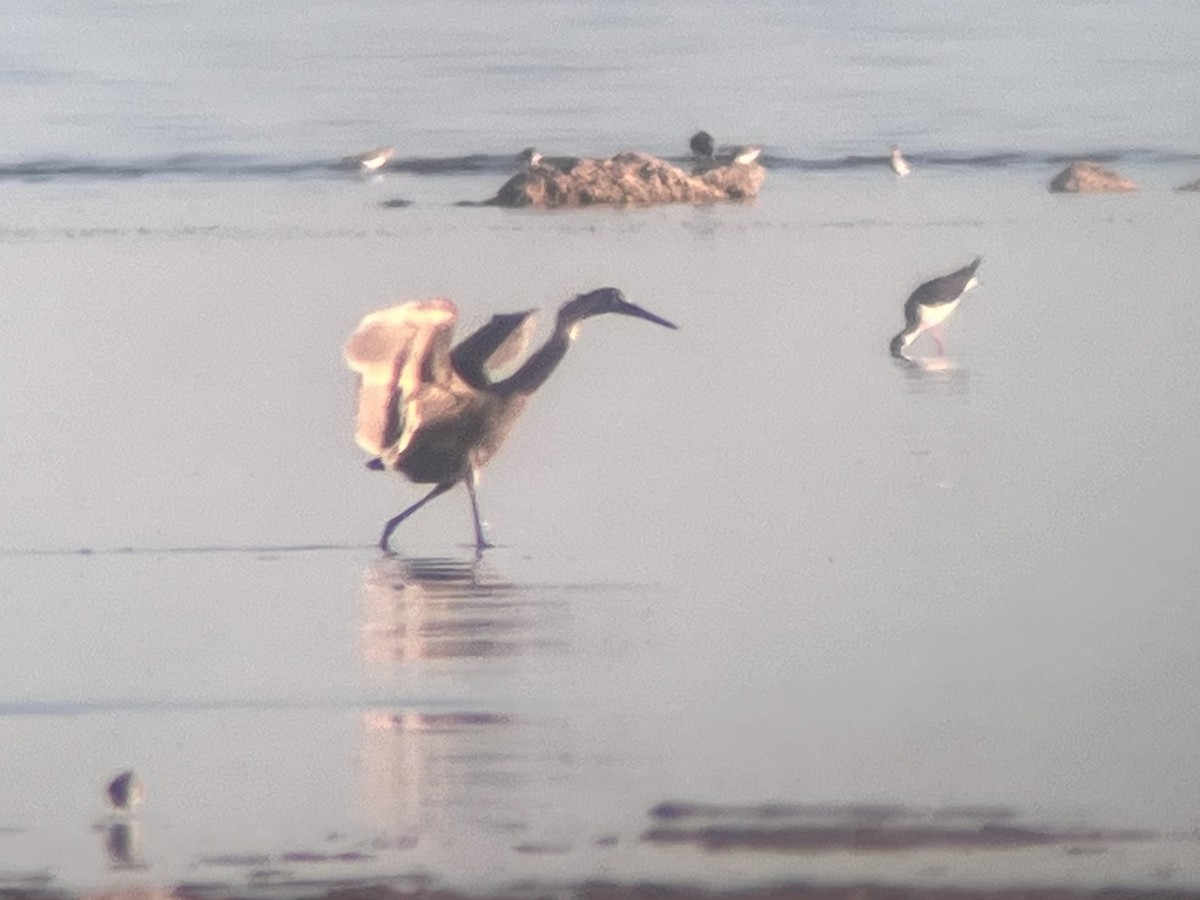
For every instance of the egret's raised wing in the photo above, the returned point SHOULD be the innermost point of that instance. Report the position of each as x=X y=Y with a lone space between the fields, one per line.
x=478 y=357
x=396 y=352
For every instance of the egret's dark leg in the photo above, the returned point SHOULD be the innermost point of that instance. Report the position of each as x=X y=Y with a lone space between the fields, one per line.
x=396 y=520
x=480 y=542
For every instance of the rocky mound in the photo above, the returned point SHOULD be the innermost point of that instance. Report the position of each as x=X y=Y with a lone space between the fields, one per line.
x=627 y=179
x=1085 y=177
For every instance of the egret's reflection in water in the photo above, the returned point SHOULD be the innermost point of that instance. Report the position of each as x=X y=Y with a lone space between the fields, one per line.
x=474 y=773
x=453 y=609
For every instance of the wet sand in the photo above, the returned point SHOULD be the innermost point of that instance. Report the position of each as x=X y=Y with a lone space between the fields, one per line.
x=766 y=609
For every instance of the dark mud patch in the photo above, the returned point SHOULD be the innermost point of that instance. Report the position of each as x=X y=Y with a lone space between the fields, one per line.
x=865 y=828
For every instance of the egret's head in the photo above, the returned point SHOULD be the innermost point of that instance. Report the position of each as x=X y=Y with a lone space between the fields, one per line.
x=603 y=300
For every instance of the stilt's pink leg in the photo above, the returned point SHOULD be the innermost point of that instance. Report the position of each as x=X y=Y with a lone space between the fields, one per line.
x=936 y=333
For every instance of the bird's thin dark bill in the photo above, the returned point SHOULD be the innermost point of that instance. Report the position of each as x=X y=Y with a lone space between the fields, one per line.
x=632 y=309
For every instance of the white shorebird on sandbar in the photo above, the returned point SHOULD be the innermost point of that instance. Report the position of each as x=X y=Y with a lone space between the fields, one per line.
x=705 y=151
x=372 y=160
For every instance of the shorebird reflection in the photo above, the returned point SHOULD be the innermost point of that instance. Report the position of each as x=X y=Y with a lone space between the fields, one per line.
x=122 y=841
x=425 y=609
x=934 y=375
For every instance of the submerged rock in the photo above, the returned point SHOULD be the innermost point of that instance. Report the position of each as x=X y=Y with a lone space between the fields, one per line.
x=1190 y=186
x=627 y=179
x=1086 y=177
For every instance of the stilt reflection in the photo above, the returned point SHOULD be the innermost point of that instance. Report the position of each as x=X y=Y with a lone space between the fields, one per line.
x=940 y=431
x=934 y=374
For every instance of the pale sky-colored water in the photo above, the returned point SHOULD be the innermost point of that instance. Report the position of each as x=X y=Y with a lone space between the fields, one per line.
x=288 y=81
x=750 y=561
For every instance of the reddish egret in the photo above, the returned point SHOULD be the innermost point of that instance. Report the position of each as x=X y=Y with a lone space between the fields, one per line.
x=434 y=413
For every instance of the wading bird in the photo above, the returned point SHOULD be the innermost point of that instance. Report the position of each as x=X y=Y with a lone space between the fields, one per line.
x=125 y=791
x=930 y=304
x=899 y=164
x=434 y=413
x=704 y=150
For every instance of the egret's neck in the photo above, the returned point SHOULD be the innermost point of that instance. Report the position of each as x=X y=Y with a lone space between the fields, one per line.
x=533 y=374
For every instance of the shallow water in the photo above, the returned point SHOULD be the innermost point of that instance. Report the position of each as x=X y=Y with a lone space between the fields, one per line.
x=750 y=561
x=754 y=561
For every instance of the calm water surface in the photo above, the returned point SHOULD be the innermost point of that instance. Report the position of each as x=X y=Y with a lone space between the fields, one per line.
x=285 y=82
x=750 y=562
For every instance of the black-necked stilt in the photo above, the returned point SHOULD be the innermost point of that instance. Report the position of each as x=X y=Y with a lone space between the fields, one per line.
x=899 y=164
x=930 y=304
x=434 y=413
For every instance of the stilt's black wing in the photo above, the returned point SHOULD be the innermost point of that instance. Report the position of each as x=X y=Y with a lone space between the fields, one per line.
x=942 y=290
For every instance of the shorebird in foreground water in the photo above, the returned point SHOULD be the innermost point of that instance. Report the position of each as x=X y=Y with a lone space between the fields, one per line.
x=372 y=160
x=703 y=148
x=436 y=414
x=930 y=304
x=125 y=791
x=899 y=164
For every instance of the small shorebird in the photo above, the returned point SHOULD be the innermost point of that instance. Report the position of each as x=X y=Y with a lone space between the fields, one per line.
x=125 y=791
x=704 y=150
x=372 y=160
x=437 y=414
x=529 y=158
x=899 y=164
x=744 y=156
x=930 y=304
